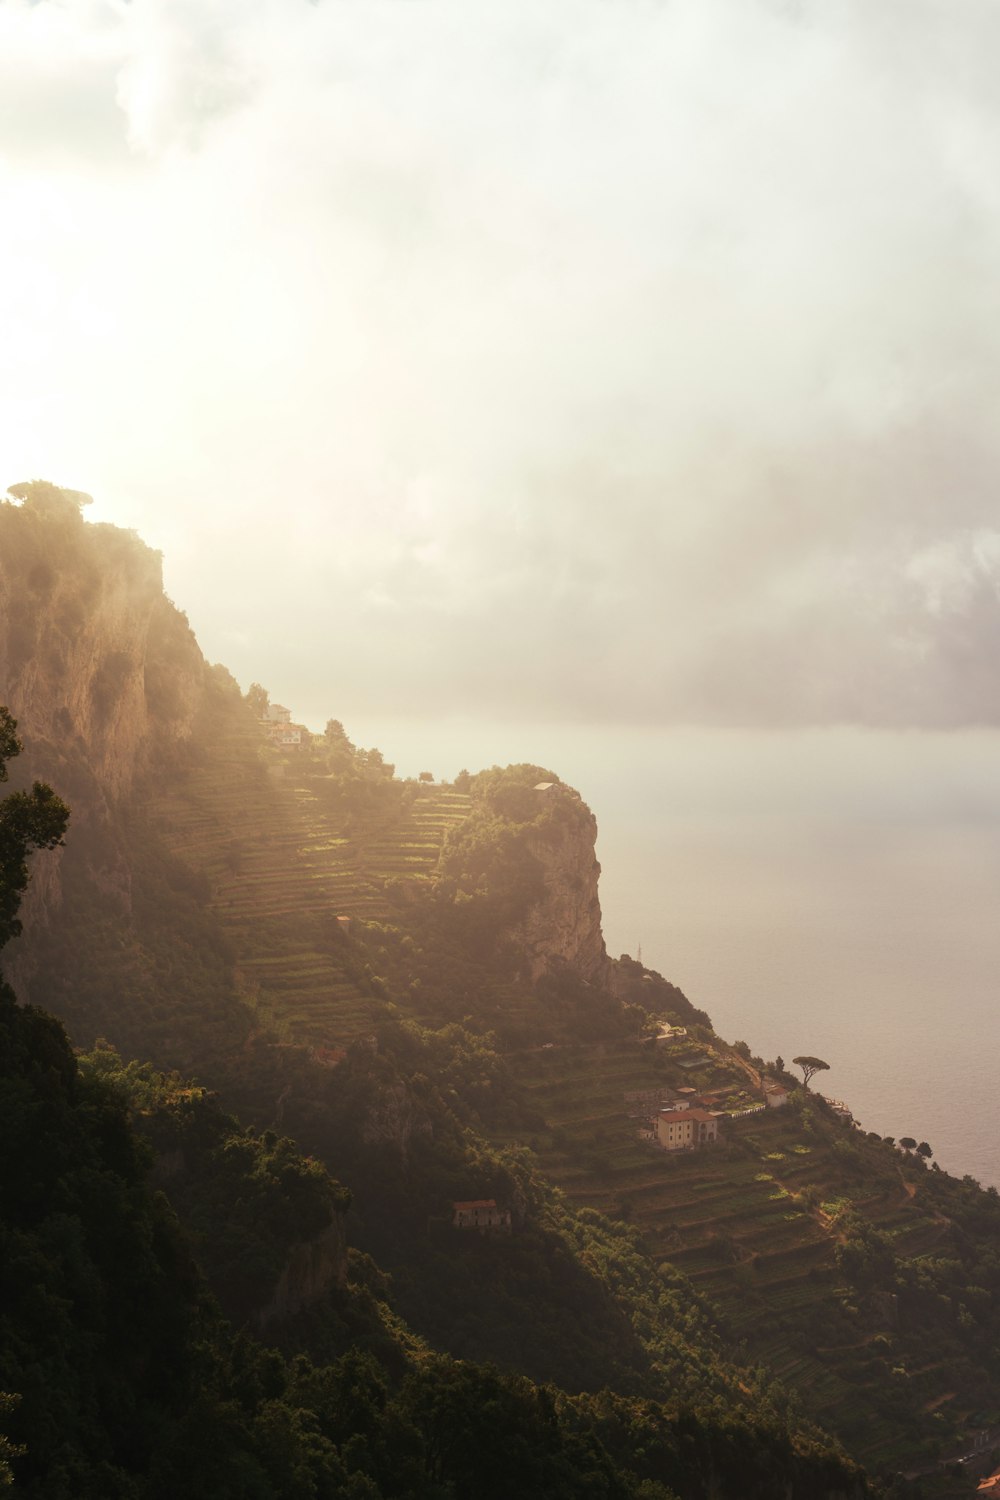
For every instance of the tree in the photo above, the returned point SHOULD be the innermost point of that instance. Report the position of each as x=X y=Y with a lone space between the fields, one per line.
x=426 y=776
x=924 y=1150
x=50 y=501
x=334 y=733
x=908 y=1143
x=809 y=1066
x=28 y=821
x=259 y=699
x=8 y=1450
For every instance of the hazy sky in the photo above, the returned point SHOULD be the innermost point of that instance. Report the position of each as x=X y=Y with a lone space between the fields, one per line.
x=632 y=362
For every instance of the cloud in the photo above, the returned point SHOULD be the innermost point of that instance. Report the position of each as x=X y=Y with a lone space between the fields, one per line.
x=624 y=362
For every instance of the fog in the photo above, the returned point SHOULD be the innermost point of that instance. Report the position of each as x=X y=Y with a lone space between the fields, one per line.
x=583 y=363
x=822 y=891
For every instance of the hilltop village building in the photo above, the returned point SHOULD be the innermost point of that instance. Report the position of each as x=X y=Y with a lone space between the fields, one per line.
x=685 y=1129
x=276 y=722
x=669 y=1033
x=481 y=1214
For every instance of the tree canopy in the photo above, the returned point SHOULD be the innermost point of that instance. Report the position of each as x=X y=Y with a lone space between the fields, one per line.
x=28 y=821
x=51 y=501
x=809 y=1066
x=259 y=699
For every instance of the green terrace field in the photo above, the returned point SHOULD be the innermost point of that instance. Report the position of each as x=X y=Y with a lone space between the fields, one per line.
x=754 y=1223
x=283 y=862
x=758 y=1223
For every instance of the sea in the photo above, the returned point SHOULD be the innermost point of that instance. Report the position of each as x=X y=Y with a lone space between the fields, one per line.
x=833 y=892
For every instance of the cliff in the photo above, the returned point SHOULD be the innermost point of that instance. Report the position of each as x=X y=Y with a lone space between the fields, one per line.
x=313 y=1269
x=563 y=925
x=524 y=861
x=96 y=664
x=107 y=684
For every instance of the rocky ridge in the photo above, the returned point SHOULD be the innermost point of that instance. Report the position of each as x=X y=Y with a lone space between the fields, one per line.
x=564 y=926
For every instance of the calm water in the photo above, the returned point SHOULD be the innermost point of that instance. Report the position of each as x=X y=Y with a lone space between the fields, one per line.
x=831 y=892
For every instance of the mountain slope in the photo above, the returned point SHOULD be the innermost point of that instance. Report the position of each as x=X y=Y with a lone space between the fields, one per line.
x=120 y=1380
x=464 y=1035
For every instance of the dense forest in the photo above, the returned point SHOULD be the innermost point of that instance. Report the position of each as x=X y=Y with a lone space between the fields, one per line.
x=305 y=1007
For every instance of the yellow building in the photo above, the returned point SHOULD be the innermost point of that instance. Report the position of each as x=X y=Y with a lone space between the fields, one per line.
x=683 y=1129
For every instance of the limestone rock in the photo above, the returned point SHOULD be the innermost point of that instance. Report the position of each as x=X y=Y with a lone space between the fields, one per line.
x=311 y=1270
x=102 y=674
x=564 y=926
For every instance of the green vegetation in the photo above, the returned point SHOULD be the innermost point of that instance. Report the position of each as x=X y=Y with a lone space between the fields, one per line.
x=127 y=1384
x=121 y=1380
x=332 y=951
x=28 y=821
x=246 y=1199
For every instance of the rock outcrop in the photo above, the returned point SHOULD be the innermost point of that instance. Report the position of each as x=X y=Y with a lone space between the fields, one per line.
x=564 y=925
x=105 y=679
x=96 y=664
x=312 y=1269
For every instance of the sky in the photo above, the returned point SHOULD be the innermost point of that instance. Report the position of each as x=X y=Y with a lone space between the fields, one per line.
x=609 y=362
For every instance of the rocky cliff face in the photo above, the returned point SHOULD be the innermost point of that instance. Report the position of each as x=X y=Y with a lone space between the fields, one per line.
x=95 y=662
x=102 y=674
x=311 y=1270
x=564 y=925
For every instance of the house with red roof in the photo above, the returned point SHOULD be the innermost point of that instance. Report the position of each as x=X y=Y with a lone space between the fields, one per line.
x=686 y=1129
x=482 y=1214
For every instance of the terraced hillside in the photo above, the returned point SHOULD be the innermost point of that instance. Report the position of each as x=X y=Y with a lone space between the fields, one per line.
x=759 y=1224
x=286 y=862
x=764 y=1225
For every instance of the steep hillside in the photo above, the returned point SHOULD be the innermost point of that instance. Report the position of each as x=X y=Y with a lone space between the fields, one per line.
x=815 y=1242
x=205 y=861
x=107 y=683
x=119 y=1380
x=410 y=979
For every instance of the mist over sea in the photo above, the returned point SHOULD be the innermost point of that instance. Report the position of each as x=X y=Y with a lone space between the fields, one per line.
x=826 y=891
